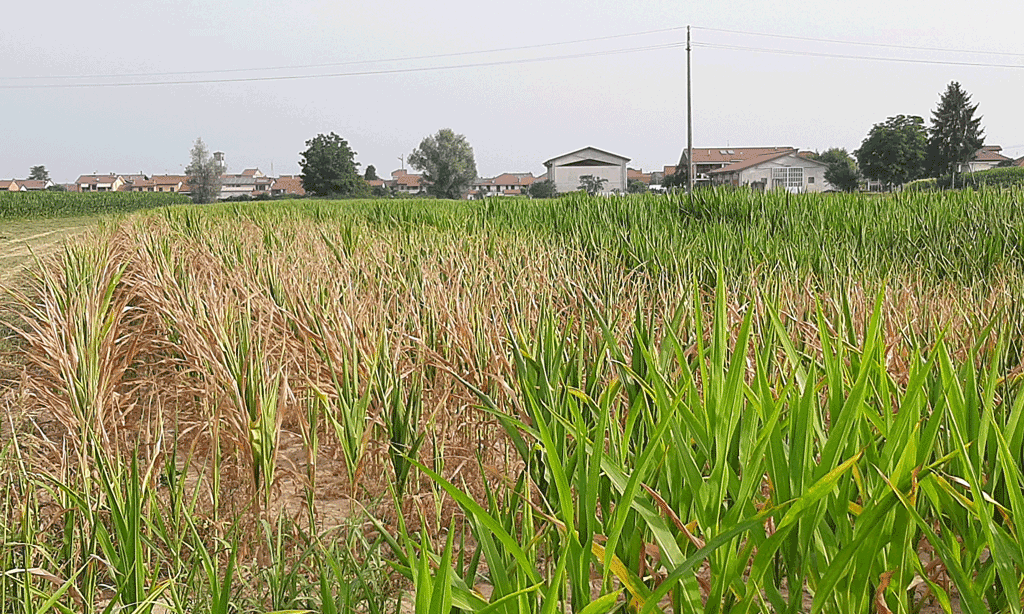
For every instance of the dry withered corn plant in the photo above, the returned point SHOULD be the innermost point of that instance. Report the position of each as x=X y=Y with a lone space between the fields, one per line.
x=271 y=395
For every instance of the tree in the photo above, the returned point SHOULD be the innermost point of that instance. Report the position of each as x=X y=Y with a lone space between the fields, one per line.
x=203 y=174
x=842 y=169
x=447 y=162
x=592 y=185
x=371 y=173
x=635 y=186
x=329 y=168
x=894 y=151
x=678 y=178
x=956 y=134
x=39 y=173
x=543 y=189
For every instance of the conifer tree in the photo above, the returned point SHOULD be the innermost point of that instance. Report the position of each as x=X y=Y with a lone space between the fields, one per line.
x=955 y=134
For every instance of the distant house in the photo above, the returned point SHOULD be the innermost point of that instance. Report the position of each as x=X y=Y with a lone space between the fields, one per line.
x=779 y=169
x=710 y=159
x=1018 y=162
x=288 y=185
x=100 y=183
x=10 y=185
x=250 y=183
x=158 y=183
x=638 y=175
x=505 y=184
x=989 y=156
x=34 y=185
x=406 y=182
x=565 y=170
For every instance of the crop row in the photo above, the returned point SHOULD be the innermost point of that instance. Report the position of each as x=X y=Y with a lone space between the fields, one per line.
x=521 y=406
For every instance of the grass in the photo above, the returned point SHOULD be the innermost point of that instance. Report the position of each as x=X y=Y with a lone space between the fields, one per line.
x=757 y=402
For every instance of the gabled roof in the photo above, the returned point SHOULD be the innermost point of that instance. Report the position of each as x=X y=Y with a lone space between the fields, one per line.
x=33 y=184
x=768 y=157
x=990 y=153
x=5 y=184
x=290 y=184
x=584 y=153
x=729 y=155
x=168 y=179
x=512 y=179
x=98 y=179
x=1019 y=161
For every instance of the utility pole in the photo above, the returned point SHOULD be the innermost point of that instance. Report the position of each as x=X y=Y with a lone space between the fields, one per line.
x=689 y=122
x=402 y=160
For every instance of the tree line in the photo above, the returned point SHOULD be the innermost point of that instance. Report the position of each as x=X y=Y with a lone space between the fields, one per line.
x=902 y=148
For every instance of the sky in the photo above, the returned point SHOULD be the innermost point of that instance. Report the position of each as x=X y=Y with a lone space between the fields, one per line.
x=524 y=81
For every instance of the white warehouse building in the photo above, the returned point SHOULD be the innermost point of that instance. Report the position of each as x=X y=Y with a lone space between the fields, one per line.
x=565 y=170
x=786 y=170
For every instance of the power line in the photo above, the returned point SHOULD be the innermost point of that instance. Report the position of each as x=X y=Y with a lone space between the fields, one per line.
x=865 y=44
x=856 y=57
x=349 y=74
x=354 y=62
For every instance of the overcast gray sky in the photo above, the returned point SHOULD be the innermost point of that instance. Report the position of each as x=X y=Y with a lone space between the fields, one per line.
x=516 y=109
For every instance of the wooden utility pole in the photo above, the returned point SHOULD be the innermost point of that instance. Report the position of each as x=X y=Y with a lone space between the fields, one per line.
x=689 y=122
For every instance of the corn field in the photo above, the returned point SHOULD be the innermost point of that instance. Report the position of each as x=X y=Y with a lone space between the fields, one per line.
x=751 y=402
x=46 y=204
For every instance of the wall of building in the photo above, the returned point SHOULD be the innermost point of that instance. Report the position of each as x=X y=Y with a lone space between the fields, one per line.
x=813 y=174
x=567 y=178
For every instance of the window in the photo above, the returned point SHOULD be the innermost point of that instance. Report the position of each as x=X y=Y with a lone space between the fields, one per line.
x=789 y=178
x=810 y=179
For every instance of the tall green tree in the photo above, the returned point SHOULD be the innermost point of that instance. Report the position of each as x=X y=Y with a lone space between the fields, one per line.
x=894 y=151
x=956 y=133
x=203 y=174
x=446 y=160
x=842 y=169
x=371 y=173
x=39 y=173
x=329 y=168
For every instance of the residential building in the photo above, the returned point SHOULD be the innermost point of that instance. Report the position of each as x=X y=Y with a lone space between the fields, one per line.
x=34 y=185
x=505 y=184
x=989 y=156
x=706 y=160
x=565 y=170
x=782 y=168
x=406 y=182
x=10 y=185
x=288 y=185
x=638 y=175
x=158 y=183
x=251 y=183
x=100 y=183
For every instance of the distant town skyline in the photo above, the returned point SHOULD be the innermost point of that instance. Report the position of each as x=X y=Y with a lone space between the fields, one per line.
x=524 y=85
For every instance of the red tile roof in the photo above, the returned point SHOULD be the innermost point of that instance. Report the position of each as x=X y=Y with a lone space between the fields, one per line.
x=990 y=153
x=729 y=155
x=289 y=184
x=32 y=184
x=639 y=175
x=97 y=179
x=767 y=157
